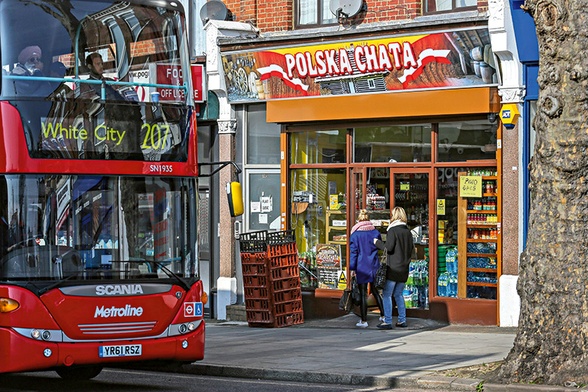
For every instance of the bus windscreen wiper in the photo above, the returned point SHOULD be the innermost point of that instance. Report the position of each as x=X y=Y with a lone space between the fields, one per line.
x=58 y=283
x=166 y=270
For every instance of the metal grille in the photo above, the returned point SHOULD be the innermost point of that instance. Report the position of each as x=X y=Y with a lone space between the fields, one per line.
x=117 y=328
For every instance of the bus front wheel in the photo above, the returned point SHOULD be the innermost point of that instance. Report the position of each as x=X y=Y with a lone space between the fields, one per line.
x=79 y=372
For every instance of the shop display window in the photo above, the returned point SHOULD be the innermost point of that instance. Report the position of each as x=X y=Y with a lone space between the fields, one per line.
x=468 y=232
x=467 y=140
x=397 y=143
x=319 y=220
x=325 y=146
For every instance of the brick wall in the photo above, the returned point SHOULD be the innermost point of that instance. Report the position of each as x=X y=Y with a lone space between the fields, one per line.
x=278 y=15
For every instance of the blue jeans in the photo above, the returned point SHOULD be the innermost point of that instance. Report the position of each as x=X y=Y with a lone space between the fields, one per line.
x=395 y=289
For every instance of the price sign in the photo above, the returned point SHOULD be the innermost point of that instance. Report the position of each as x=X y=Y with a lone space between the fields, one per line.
x=405 y=186
x=470 y=186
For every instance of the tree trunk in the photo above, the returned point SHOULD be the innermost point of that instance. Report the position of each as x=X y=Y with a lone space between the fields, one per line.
x=551 y=345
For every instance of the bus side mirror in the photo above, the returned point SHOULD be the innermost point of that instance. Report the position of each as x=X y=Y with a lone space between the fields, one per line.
x=235 y=198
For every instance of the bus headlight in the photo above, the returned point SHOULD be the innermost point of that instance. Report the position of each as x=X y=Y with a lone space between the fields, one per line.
x=40 y=334
x=36 y=334
x=8 y=305
x=185 y=328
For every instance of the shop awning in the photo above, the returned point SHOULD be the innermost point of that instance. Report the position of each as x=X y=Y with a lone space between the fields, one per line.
x=410 y=104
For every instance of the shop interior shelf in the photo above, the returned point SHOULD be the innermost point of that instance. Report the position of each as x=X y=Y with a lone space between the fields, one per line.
x=482 y=284
x=487 y=270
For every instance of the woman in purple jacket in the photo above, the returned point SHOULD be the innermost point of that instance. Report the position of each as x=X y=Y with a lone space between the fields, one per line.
x=364 y=261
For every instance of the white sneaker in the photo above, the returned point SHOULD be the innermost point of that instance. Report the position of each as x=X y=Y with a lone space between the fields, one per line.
x=362 y=324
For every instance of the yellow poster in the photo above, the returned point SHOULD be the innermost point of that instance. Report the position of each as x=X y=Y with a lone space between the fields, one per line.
x=342 y=281
x=470 y=186
x=405 y=186
x=440 y=206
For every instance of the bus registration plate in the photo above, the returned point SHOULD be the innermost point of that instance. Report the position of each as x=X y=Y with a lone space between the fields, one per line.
x=128 y=350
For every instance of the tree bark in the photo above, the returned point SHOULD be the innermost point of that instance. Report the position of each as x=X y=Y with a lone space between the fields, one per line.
x=551 y=345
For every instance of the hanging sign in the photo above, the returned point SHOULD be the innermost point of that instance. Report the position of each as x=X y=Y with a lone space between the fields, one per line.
x=470 y=186
x=405 y=186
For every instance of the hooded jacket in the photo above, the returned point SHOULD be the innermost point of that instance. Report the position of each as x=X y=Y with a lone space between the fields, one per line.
x=399 y=249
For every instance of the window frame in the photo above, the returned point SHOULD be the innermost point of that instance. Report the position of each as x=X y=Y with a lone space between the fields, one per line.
x=319 y=16
x=453 y=8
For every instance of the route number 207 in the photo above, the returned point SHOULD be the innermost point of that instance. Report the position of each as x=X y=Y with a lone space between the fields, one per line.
x=156 y=136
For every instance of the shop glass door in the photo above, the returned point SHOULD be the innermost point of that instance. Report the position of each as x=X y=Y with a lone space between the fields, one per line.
x=411 y=192
x=378 y=190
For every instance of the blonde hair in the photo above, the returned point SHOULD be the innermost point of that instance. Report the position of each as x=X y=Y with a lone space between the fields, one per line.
x=363 y=215
x=398 y=213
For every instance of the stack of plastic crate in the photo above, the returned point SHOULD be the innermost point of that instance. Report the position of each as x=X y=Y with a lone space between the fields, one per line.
x=271 y=279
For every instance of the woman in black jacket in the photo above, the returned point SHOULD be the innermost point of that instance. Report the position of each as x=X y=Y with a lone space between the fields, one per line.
x=399 y=248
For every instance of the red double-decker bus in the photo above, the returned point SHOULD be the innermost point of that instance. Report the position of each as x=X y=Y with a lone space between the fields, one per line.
x=98 y=167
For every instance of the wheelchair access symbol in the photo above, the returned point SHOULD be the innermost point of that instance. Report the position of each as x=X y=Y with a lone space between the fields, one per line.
x=193 y=309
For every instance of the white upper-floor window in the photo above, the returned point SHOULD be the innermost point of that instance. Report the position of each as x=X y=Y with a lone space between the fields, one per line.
x=312 y=13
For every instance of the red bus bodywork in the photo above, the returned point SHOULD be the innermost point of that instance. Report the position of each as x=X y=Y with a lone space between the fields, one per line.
x=73 y=316
x=91 y=317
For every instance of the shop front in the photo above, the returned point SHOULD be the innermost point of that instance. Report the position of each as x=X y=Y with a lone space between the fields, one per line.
x=423 y=136
x=452 y=203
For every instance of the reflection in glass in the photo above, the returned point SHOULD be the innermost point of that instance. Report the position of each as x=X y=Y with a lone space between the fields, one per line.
x=398 y=143
x=318 y=217
x=95 y=227
x=99 y=116
x=467 y=140
x=318 y=147
x=263 y=138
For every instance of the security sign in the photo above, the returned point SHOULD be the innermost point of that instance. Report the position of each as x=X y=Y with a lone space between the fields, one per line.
x=193 y=309
x=509 y=115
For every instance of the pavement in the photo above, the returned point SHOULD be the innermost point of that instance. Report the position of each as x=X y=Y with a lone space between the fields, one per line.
x=335 y=351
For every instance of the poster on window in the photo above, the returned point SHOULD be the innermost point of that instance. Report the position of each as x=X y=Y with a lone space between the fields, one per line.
x=328 y=255
x=328 y=277
x=328 y=265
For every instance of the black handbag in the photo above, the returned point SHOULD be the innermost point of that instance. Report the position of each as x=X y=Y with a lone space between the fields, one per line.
x=380 y=279
x=345 y=303
x=355 y=293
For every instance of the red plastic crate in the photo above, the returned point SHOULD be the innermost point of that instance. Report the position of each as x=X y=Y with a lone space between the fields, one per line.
x=288 y=307
x=282 y=249
x=284 y=261
x=257 y=281
x=252 y=269
x=257 y=293
x=260 y=257
x=259 y=316
x=288 y=320
x=286 y=284
x=287 y=295
x=257 y=304
x=284 y=272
